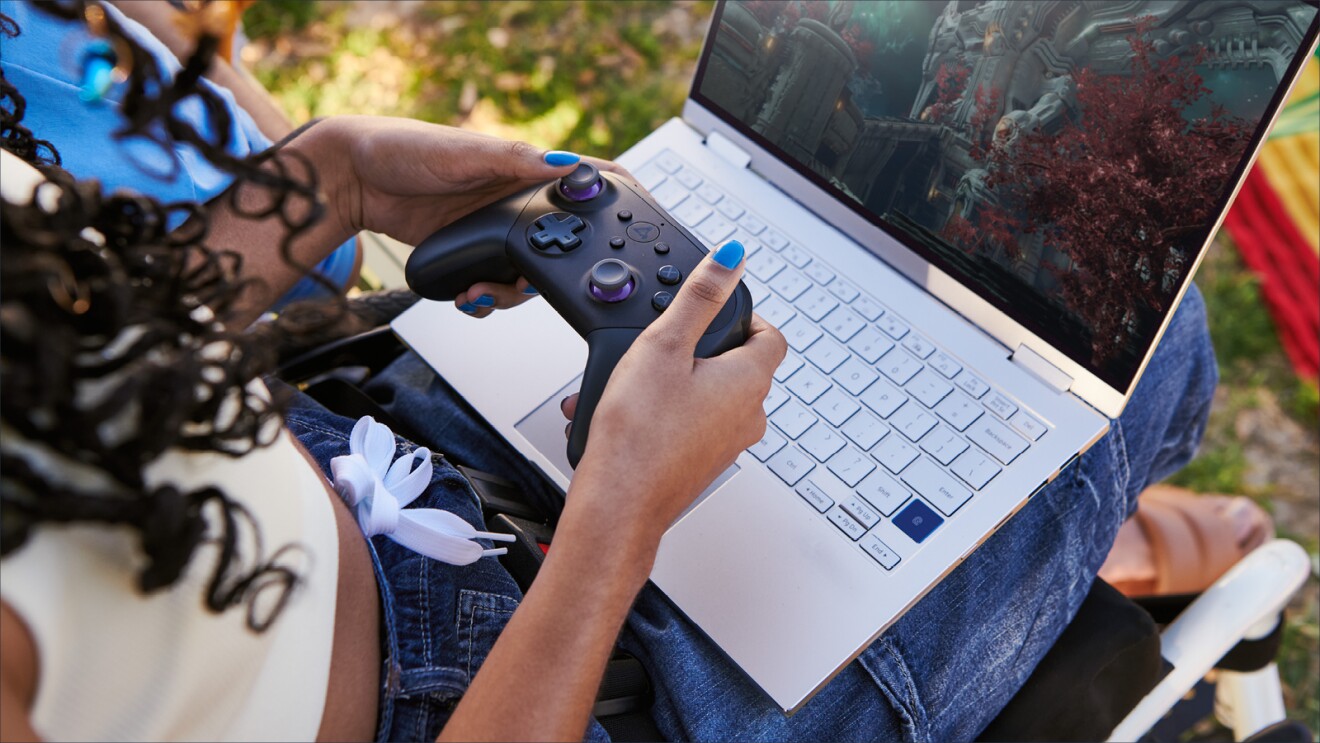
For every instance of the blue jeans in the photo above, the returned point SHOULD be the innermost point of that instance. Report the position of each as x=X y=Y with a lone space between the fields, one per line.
x=943 y=672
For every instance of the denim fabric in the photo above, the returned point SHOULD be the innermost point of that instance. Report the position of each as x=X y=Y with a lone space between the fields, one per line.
x=43 y=62
x=941 y=673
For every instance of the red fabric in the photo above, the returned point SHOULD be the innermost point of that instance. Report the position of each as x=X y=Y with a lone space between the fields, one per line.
x=1274 y=249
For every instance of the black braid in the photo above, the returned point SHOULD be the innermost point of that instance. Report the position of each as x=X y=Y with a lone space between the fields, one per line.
x=113 y=354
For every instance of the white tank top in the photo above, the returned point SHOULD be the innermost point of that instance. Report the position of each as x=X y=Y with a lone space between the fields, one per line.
x=114 y=664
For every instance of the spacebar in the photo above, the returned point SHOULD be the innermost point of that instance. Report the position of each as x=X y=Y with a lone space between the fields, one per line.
x=937 y=487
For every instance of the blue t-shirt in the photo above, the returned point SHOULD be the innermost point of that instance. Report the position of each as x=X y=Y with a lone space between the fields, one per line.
x=44 y=62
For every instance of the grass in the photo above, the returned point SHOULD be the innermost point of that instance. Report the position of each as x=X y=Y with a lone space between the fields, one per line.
x=596 y=77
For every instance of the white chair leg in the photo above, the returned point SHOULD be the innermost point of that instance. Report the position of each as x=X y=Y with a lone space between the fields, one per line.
x=1238 y=605
x=1249 y=702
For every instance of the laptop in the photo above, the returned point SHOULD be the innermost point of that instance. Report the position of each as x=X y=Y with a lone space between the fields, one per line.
x=910 y=181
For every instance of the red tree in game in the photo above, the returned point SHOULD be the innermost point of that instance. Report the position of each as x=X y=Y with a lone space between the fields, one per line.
x=950 y=87
x=1126 y=190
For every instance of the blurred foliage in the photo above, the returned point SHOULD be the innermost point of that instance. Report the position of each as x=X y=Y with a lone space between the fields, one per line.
x=271 y=17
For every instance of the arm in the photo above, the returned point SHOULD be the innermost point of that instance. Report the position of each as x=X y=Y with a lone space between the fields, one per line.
x=541 y=678
x=18 y=677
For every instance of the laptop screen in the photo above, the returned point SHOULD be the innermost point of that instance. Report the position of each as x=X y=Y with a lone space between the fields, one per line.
x=1064 y=160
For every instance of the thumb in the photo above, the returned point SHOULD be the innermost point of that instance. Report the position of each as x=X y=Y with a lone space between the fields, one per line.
x=702 y=296
x=504 y=157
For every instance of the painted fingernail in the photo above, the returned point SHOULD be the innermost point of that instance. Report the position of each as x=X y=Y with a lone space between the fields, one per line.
x=485 y=300
x=468 y=308
x=559 y=158
x=730 y=254
x=530 y=290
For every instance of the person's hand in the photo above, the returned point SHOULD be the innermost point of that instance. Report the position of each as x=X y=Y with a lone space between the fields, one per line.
x=668 y=423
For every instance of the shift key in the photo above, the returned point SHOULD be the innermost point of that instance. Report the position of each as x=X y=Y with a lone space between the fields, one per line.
x=936 y=486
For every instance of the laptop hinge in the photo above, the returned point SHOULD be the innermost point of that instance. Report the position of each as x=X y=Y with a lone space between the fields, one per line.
x=1043 y=370
x=725 y=148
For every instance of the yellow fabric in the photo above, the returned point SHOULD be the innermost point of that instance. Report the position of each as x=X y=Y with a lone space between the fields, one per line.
x=1291 y=164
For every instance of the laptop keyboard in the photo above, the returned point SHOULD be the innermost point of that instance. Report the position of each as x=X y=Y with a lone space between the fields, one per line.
x=869 y=420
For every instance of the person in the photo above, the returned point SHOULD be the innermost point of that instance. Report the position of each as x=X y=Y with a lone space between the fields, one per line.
x=145 y=463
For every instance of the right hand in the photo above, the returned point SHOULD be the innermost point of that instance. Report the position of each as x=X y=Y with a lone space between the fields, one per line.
x=669 y=423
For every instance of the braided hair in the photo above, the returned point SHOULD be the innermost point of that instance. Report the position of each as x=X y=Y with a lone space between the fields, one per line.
x=113 y=345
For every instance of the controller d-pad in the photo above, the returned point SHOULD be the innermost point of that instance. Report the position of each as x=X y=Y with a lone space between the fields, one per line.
x=554 y=231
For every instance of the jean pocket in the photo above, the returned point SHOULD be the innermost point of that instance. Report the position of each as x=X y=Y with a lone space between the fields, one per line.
x=481 y=618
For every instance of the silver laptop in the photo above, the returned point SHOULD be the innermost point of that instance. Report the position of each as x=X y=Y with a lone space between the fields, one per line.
x=947 y=357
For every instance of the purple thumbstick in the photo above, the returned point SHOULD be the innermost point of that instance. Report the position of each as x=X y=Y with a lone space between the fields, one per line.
x=611 y=281
x=583 y=184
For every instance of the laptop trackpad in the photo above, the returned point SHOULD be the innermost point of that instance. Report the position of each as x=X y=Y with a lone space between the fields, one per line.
x=544 y=429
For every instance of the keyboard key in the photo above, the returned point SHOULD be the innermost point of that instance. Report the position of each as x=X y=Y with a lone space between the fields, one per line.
x=935 y=486
x=715 y=230
x=851 y=466
x=847 y=524
x=868 y=308
x=821 y=442
x=995 y=438
x=751 y=224
x=1027 y=425
x=774 y=399
x=800 y=333
x=730 y=209
x=912 y=422
x=819 y=273
x=813 y=494
x=899 y=366
x=975 y=468
x=865 y=430
x=669 y=195
x=958 y=411
x=928 y=388
x=883 y=492
x=972 y=384
x=669 y=161
x=843 y=323
x=775 y=311
x=827 y=354
x=691 y=212
x=1000 y=405
x=894 y=453
x=791 y=465
x=879 y=551
x=790 y=284
x=786 y=367
x=943 y=445
x=688 y=178
x=835 y=407
x=816 y=304
x=854 y=376
x=792 y=419
x=775 y=240
x=892 y=326
x=920 y=347
x=807 y=384
x=770 y=443
x=918 y=521
x=651 y=176
x=843 y=291
x=883 y=398
x=759 y=291
x=870 y=345
x=860 y=510
x=709 y=194
x=945 y=365
x=764 y=265
x=796 y=255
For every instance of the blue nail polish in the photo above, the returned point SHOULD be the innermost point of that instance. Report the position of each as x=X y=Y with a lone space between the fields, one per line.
x=530 y=290
x=559 y=158
x=485 y=300
x=467 y=307
x=730 y=254
x=98 y=71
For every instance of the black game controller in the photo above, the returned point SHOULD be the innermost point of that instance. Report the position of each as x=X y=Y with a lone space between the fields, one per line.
x=601 y=252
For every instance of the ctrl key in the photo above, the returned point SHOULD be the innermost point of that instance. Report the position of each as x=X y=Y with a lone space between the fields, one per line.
x=879 y=551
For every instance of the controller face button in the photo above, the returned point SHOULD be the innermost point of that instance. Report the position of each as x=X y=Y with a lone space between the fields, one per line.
x=669 y=275
x=661 y=301
x=662 y=248
x=625 y=215
x=555 y=231
x=643 y=232
x=611 y=281
x=616 y=242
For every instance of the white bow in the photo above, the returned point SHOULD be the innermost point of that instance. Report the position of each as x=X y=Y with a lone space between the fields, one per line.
x=378 y=491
